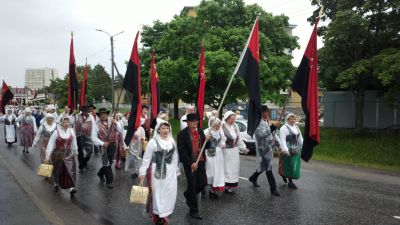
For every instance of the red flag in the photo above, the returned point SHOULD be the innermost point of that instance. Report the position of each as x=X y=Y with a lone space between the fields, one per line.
x=132 y=84
x=248 y=69
x=72 y=79
x=83 y=87
x=155 y=88
x=305 y=83
x=6 y=96
x=201 y=87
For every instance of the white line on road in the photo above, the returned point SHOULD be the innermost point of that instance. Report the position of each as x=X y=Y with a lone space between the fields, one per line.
x=396 y=217
x=243 y=178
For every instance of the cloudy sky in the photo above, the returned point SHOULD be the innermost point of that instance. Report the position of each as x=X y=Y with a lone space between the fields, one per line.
x=36 y=34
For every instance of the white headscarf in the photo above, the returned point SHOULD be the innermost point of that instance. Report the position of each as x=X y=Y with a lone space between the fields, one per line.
x=214 y=122
x=227 y=114
x=287 y=117
x=28 y=110
x=165 y=144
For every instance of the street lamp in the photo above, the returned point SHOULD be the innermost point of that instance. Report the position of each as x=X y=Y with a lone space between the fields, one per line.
x=112 y=63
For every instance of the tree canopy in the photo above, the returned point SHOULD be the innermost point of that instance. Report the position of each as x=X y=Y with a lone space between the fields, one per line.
x=223 y=26
x=361 y=48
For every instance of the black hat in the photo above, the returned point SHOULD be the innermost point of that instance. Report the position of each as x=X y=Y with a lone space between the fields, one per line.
x=103 y=110
x=191 y=117
x=85 y=108
x=91 y=105
x=264 y=108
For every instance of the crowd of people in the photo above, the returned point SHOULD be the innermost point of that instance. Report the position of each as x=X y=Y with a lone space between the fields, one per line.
x=208 y=158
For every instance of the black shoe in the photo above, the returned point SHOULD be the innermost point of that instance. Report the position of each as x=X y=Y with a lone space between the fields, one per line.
x=55 y=188
x=213 y=195
x=254 y=181
x=27 y=151
x=276 y=193
x=196 y=216
x=292 y=185
x=72 y=192
x=284 y=179
x=229 y=191
x=134 y=175
x=102 y=180
x=23 y=151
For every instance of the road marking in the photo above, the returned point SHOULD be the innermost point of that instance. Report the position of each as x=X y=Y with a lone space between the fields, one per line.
x=46 y=210
x=243 y=178
x=396 y=217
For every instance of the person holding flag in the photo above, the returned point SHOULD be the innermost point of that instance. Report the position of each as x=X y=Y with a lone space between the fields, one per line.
x=190 y=141
x=84 y=128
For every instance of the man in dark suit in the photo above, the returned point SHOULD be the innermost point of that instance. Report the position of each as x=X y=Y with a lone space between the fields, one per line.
x=190 y=141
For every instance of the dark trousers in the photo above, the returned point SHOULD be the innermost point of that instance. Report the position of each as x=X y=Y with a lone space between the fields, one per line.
x=270 y=177
x=107 y=159
x=196 y=181
x=85 y=150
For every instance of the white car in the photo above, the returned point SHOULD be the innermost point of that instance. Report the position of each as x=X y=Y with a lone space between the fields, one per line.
x=249 y=141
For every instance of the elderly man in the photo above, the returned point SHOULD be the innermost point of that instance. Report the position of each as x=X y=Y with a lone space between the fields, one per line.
x=264 y=150
x=190 y=141
x=189 y=109
x=105 y=135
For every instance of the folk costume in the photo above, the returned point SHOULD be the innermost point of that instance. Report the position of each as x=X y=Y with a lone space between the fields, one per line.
x=27 y=129
x=84 y=125
x=231 y=154
x=161 y=156
x=45 y=131
x=62 y=150
x=292 y=142
x=189 y=147
x=10 y=127
x=215 y=158
x=106 y=131
x=135 y=152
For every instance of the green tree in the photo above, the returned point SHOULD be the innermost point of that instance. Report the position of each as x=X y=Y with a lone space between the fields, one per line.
x=224 y=26
x=361 y=37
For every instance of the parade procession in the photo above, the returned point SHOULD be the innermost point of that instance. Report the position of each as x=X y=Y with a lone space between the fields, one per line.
x=208 y=103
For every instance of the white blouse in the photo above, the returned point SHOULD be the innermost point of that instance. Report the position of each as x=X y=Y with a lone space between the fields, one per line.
x=63 y=134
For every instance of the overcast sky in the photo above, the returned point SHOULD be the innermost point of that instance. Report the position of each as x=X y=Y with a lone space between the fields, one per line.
x=36 y=34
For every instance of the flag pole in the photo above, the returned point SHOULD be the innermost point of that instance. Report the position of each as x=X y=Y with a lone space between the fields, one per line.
x=229 y=85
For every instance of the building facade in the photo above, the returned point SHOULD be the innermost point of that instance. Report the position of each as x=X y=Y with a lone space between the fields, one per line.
x=39 y=78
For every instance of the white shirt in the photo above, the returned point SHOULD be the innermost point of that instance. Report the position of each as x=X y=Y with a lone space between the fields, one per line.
x=63 y=134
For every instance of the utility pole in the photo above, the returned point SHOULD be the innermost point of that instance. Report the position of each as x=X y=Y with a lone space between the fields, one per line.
x=112 y=65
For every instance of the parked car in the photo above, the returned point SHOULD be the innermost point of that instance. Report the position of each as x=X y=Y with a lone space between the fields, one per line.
x=249 y=141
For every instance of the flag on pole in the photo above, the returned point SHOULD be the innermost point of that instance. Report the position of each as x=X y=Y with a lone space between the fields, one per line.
x=72 y=78
x=6 y=96
x=305 y=83
x=248 y=68
x=201 y=84
x=154 y=89
x=82 y=101
x=132 y=84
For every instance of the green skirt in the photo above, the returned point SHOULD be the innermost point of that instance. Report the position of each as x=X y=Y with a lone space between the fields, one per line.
x=291 y=166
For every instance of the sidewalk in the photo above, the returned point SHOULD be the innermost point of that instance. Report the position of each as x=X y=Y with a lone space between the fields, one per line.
x=16 y=207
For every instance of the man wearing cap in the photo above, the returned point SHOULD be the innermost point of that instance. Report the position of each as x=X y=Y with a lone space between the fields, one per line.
x=84 y=126
x=105 y=135
x=189 y=109
x=190 y=141
x=264 y=150
x=92 y=112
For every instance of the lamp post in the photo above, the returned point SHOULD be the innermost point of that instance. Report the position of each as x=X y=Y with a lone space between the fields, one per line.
x=112 y=63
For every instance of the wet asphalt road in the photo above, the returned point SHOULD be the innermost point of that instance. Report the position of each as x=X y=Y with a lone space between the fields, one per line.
x=327 y=194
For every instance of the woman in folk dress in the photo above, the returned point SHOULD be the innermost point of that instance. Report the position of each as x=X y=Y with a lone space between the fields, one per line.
x=215 y=158
x=292 y=142
x=234 y=144
x=10 y=127
x=63 y=149
x=45 y=131
x=162 y=156
x=27 y=129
